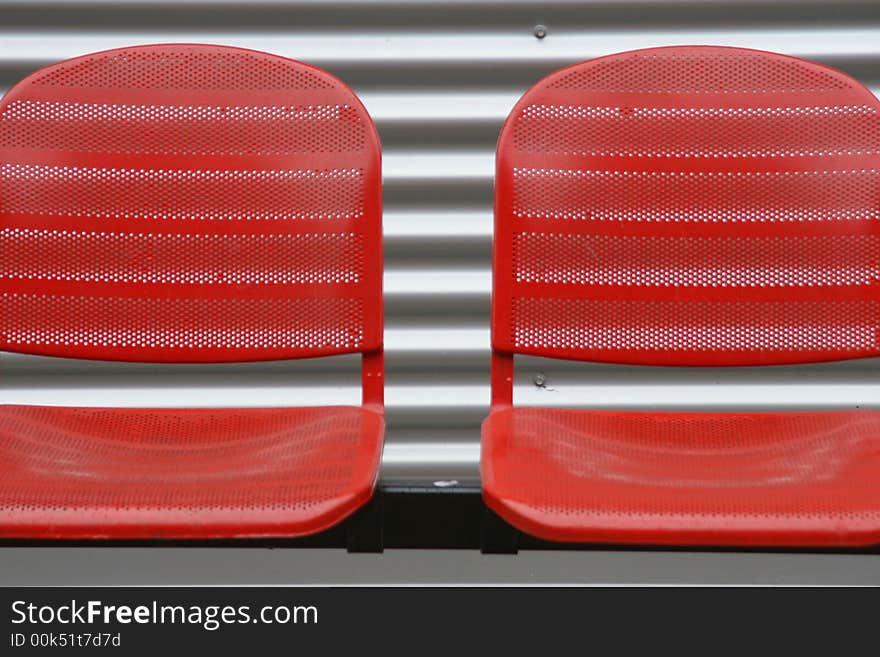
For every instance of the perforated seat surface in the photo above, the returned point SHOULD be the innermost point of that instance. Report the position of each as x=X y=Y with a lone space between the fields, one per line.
x=188 y=203
x=686 y=478
x=183 y=473
x=687 y=206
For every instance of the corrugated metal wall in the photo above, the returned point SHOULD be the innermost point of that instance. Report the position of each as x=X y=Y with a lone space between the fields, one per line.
x=439 y=78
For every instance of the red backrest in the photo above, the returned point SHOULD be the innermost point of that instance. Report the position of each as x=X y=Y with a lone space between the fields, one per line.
x=186 y=203
x=689 y=206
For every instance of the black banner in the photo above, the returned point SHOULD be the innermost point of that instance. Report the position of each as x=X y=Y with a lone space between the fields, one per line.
x=411 y=620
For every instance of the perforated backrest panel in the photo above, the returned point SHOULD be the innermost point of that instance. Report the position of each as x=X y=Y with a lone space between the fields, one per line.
x=690 y=206
x=188 y=203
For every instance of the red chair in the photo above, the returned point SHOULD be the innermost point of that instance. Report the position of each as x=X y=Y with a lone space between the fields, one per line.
x=687 y=206
x=181 y=204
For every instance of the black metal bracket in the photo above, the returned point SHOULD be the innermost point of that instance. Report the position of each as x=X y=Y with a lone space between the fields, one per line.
x=365 y=529
x=497 y=536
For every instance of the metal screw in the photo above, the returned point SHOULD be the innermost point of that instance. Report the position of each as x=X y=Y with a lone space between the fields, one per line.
x=540 y=379
x=540 y=31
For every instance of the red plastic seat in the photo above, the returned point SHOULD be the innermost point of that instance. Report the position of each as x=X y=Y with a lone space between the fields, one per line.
x=188 y=203
x=687 y=206
x=184 y=473
x=696 y=478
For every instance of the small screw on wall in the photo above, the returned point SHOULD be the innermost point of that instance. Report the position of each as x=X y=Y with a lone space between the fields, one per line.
x=540 y=31
x=540 y=379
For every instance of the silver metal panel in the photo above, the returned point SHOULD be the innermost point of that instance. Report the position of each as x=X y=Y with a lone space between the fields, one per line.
x=439 y=77
x=68 y=566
